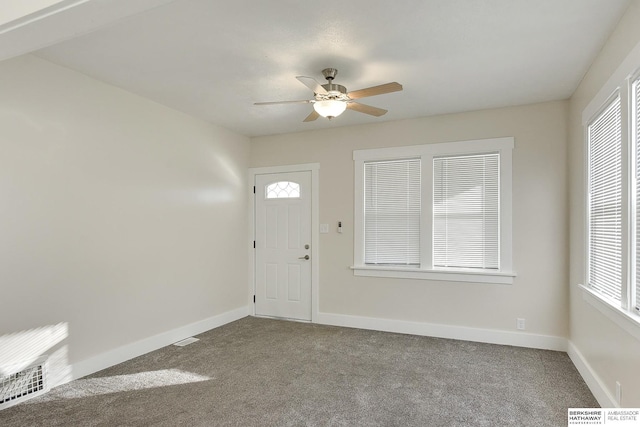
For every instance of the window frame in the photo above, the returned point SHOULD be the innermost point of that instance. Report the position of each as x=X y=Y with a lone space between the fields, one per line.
x=624 y=190
x=405 y=203
x=426 y=152
x=620 y=312
x=634 y=153
x=481 y=212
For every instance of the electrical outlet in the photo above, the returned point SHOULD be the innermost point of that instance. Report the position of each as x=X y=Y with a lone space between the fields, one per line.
x=619 y=393
x=520 y=324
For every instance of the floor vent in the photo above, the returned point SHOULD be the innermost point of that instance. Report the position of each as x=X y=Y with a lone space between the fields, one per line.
x=25 y=384
x=186 y=341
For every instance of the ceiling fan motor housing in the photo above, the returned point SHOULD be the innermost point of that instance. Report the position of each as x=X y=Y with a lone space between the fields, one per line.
x=335 y=89
x=336 y=92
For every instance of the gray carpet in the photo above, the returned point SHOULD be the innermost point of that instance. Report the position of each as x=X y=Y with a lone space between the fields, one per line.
x=262 y=372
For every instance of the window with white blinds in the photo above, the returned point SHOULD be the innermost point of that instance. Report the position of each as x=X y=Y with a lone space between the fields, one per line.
x=466 y=211
x=612 y=134
x=635 y=123
x=392 y=212
x=437 y=211
x=604 y=139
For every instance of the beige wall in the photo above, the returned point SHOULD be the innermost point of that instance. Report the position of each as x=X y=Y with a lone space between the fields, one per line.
x=118 y=216
x=540 y=208
x=123 y=219
x=612 y=354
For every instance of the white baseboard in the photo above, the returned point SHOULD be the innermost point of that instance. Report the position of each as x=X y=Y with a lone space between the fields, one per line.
x=547 y=342
x=491 y=336
x=138 y=348
x=595 y=384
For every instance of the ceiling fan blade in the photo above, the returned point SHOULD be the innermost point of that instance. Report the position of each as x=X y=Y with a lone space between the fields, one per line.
x=306 y=101
x=367 y=109
x=375 y=90
x=311 y=117
x=312 y=84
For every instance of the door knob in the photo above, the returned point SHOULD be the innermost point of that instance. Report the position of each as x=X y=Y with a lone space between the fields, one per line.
x=304 y=257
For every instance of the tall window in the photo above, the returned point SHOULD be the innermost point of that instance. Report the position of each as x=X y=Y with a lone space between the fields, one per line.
x=613 y=201
x=635 y=126
x=604 y=136
x=435 y=211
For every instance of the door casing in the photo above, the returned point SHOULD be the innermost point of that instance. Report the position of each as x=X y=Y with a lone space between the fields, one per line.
x=314 y=168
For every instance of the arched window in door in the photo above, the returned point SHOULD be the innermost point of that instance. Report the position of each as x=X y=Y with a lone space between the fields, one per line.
x=282 y=190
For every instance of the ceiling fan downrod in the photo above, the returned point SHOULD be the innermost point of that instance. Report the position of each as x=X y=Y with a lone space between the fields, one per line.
x=335 y=91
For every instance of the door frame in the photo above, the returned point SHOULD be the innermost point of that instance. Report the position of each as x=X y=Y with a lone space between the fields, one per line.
x=314 y=168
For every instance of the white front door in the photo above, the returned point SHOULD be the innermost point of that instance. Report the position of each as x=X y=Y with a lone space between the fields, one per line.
x=283 y=245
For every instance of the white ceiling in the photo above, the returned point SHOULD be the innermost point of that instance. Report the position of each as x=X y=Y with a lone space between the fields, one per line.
x=214 y=59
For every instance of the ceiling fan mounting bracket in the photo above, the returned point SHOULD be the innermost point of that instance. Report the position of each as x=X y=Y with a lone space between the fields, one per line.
x=330 y=73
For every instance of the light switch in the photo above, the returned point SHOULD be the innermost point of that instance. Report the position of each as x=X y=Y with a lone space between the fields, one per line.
x=324 y=228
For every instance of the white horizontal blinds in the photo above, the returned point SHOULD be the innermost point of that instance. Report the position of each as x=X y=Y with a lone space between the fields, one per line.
x=604 y=136
x=635 y=120
x=466 y=211
x=392 y=212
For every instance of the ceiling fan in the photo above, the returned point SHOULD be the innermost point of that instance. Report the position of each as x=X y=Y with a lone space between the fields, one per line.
x=330 y=99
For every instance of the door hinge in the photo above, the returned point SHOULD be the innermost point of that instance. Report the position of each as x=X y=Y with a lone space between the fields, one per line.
x=254 y=189
x=254 y=244
x=254 y=299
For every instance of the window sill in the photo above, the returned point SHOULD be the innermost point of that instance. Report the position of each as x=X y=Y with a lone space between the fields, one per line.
x=500 y=278
x=626 y=320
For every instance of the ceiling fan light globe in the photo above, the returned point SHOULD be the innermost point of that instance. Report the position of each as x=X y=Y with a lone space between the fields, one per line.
x=330 y=108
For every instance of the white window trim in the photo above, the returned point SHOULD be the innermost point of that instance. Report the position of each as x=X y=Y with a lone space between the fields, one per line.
x=427 y=152
x=625 y=168
x=619 y=82
x=624 y=319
